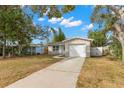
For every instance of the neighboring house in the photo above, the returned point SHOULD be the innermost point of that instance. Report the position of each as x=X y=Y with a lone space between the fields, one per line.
x=31 y=49
x=35 y=49
x=71 y=47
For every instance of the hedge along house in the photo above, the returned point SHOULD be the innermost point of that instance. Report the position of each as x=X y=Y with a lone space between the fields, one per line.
x=73 y=47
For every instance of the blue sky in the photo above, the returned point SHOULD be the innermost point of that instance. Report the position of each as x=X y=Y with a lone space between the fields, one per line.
x=74 y=24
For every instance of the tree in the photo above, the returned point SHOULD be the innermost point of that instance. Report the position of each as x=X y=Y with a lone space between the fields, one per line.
x=7 y=15
x=42 y=33
x=99 y=38
x=61 y=35
x=15 y=27
x=115 y=47
x=52 y=10
x=58 y=35
x=111 y=18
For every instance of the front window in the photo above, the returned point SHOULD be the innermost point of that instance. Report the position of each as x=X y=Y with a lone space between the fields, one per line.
x=55 y=48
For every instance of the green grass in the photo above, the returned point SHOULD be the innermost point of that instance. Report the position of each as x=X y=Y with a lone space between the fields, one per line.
x=101 y=72
x=13 y=69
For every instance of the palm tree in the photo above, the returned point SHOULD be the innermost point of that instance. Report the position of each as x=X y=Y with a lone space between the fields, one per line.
x=58 y=35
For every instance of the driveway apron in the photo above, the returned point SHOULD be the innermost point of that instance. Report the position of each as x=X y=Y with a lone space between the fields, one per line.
x=62 y=74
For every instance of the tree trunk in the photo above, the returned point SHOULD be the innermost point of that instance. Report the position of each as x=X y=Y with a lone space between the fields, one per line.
x=122 y=44
x=123 y=53
x=4 y=49
x=119 y=30
x=19 y=50
x=12 y=51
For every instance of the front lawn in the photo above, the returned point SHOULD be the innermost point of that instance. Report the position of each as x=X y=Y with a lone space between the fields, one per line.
x=101 y=72
x=13 y=69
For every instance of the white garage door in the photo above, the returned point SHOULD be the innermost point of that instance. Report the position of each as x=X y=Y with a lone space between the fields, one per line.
x=77 y=50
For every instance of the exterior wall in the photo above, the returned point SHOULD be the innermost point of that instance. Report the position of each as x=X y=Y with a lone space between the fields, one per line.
x=77 y=41
x=88 y=51
x=60 y=51
x=96 y=51
x=65 y=51
x=39 y=50
x=50 y=49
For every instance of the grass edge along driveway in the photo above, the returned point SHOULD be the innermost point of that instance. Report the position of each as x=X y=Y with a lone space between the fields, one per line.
x=13 y=69
x=101 y=72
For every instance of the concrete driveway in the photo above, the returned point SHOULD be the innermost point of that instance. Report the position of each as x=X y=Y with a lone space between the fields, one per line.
x=63 y=74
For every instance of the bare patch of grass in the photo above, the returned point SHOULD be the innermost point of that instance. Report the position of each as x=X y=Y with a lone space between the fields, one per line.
x=101 y=72
x=13 y=69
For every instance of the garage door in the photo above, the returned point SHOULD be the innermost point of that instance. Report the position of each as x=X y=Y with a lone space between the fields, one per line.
x=77 y=50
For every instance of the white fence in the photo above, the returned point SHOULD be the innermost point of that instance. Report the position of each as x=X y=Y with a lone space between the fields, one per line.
x=96 y=51
x=99 y=51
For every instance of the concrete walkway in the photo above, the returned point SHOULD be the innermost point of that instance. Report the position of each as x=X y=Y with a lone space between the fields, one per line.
x=63 y=74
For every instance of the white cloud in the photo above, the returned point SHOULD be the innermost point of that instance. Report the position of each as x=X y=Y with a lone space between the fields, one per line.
x=65 y=22
x=69 y=23
x=56 y=29
x=41 y=19
x=54 y=20
x=74 y=23
x=88 y=27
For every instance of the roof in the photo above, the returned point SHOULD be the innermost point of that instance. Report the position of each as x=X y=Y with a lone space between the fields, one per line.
x=62 y=42
x=57 y=43
x=36 y=45
x=77 y=38
x=108 y=42
x=32 y=45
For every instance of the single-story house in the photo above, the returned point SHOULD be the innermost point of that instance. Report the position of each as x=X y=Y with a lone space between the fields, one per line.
x=31 y=49
x=35 y=49
x=71 y=47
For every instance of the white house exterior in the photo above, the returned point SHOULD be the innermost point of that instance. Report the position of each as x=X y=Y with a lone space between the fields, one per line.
x=71 y=47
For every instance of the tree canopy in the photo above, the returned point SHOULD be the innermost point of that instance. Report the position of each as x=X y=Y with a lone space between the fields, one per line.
x=15 y=27
x=99 y=38
x=52 y=10
x=110 y=18
x=115 y=48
